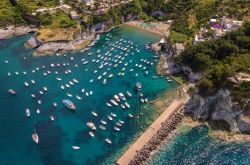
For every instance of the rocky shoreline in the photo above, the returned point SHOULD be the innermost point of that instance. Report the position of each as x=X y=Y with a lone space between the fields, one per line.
x=49 y=48
x=10 y=31
x=164 y=133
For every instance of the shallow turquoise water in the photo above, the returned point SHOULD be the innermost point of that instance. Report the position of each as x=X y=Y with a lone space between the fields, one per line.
x=196 y=147
x=57 y=137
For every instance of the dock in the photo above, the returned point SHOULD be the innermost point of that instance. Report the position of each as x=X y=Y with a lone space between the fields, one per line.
x=128 y=156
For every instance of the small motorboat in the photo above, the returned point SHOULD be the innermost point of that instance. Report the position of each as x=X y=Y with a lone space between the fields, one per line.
x=38 y=111
x=75 y=147
x=108 y=104
x=116 y=128
x=33 y=95
x=26 y=83
x=27 y=112
x=110 y=118
x=69 y=104
x=94 y=113
x=114 y=102
x=35 y=137
x=75 y=80
x=102 y=128
x=120 y=121
x=91 y=134
x=138 y=86
x=129 y=94
x=33 y=81
x=52 y=118
x=12 y=91
x=78 y=97
x=103 y=122
x=127 y=104
x=118 y=124
x=121 y=95
x=91 y=125
x=117 y=98
x=130 y=115
x=108 y=141
x=113 y=114
x=45 y=88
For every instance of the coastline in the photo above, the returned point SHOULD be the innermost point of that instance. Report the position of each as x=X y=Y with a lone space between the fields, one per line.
x=157 y=132
x=10 y=31
x=158 y=31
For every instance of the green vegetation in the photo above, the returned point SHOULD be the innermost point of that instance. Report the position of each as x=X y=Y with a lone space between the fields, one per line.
x=9 y=15
x=176 y=37
x=218 y=59
x=57 y=20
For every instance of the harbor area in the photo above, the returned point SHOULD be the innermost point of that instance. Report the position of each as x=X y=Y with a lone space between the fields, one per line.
x=133 y=150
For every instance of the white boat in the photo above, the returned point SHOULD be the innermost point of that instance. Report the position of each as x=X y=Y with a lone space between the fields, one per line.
x=75 y=147
x=71 y=83
x=117 y=98
x=121 y=95
x=87 y=94
x=33 y=81
x=113 y=114
x=41 y=92
x=91 y=134
x=91 y=125
x=142 y=100
x=33 y=95
x=116 y=128
x=26 y=83
x=127 y=104
x=45 y=88
x=104 y=81
x=114 y=102
x=54 y=104
x=62 y=87
x=103 y=122
x=101 y=66
x=94 y=113
x=120 y=121
x=130 y=115
x=104 y=73
x=27 y=112
x=110 y=118
x=99 y=77
x=78 y=97
x=118 y=124
x=58 y=78
x=123 y=106
x=68 y=94
x=38 y=111
x=91 y=92
x=39 y=101
x=67 y=85
x=52 y=118
x=102 y=127
x=35 y=137
x=111 y=75
x=146 y=100
x=108 y=104
x=129 y=94
x=91 y=80
x=108 y=141
x=75 y=80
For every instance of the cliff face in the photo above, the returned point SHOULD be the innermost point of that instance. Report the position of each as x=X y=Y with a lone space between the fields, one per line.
x=218 y=109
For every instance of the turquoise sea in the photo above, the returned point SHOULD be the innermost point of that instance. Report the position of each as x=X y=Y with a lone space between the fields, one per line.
x=56 y=138
x=195 y=146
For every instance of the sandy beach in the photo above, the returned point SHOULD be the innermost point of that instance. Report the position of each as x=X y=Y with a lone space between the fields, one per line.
x=158 y=28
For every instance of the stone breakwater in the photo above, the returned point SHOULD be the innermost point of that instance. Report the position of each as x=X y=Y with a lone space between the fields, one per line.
x=167 y=128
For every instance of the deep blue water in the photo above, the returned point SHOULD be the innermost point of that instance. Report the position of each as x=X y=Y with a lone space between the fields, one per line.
x=195 y=146
x=57 y=137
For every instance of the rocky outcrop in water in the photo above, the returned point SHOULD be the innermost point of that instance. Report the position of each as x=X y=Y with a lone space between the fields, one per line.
x=218 y=110
x=12 y=31
x=49 y=48
x=167 y=128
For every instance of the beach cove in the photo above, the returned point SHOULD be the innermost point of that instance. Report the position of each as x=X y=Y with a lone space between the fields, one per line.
x=57 y=137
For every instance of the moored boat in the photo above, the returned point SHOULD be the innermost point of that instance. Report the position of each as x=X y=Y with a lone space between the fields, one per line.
x=12 y=91
x=108 y=141
x=69 y=104
x=35 y=137
x=91 y=125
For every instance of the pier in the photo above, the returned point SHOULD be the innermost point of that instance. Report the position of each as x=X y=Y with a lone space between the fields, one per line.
x=153 y=129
